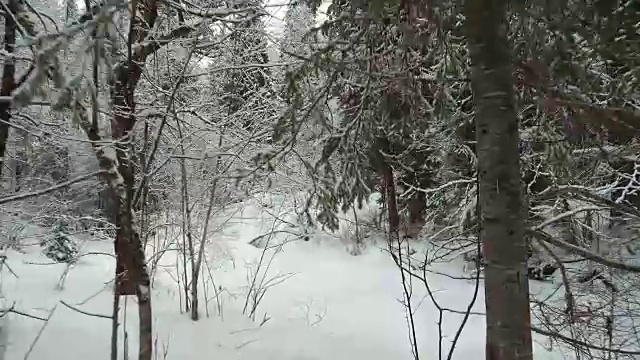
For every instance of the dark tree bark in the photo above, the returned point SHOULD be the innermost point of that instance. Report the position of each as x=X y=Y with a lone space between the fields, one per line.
x=131 y=270
x=8 y=77
x=128 y=245
x=382 y=146
x=392 y=204
x=500 y=193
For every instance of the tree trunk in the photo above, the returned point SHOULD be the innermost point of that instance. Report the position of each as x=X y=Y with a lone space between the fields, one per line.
x=8 y=77
x=118 y=171
x=189 y=246
x=128 y=245
x=392 y=204
x=500 y=193
x=417 y=208
x=388 y=185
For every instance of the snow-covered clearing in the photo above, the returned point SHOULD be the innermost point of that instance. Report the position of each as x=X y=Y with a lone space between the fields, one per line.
x=326 y=304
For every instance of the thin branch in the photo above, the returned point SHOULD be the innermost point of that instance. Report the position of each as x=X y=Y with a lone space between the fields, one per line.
x=44 y=326
x=7 y=199
x=86 y=313
x=583 y=252
x=27 y=315
x=566 y=214
x=581 y=343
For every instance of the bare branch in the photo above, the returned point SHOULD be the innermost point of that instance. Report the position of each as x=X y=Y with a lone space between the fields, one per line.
x=50 y=189
x=84 y=312
x=582 y=252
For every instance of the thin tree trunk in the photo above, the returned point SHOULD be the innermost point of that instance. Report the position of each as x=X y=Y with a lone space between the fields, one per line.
x=186 y=229
x=8 y=77
x=198 y=264
x=502 y=233
x=114 y=326
x=195 y=272
x=392 y=204
x=388 y=186
x=131 y=269
x=128 y=245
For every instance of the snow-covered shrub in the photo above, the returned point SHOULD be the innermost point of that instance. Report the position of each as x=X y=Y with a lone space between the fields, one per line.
x=58 y=246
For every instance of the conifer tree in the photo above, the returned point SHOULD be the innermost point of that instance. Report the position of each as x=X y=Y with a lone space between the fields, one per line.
x=248 y=82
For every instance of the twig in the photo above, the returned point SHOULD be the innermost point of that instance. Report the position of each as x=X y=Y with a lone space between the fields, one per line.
x=44 y=326
x=85 y=312
x=581 y=343
x=565 y=278
x=467 y=314
x=27 y=315
x=407 y=292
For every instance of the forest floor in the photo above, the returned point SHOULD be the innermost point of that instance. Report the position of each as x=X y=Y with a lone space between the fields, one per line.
x=320 y=302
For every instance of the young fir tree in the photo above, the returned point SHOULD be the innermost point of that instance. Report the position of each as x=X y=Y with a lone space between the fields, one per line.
x=58 y=246
x=386 y=122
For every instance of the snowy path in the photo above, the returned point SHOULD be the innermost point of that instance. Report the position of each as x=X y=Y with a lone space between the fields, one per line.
x=336 y=306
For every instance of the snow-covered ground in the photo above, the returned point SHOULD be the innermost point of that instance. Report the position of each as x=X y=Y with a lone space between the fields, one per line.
x=324 y=304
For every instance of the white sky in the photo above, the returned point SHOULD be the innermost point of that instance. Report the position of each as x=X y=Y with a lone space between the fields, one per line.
x=278 y=8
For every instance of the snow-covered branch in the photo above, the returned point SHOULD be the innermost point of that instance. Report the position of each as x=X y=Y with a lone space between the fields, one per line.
x=62 y=185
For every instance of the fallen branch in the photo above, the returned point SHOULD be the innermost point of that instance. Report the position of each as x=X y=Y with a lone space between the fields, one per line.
x=564 y=215
x=581 y=343
x=44 y=326
x=84 y=312
x=582 y=252
x=26 y=315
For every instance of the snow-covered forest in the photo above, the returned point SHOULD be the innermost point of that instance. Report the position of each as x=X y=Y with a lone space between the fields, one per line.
x=317 y=179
